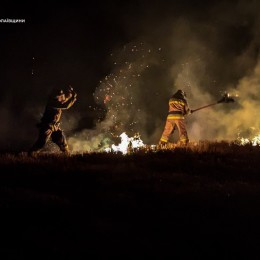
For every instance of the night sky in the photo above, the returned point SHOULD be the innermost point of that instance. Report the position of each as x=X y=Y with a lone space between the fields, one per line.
x=205 y=47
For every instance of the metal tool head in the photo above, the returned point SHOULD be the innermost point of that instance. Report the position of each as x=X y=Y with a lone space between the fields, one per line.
x=226 y=98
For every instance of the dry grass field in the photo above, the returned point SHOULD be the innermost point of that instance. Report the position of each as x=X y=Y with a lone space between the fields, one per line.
x=198 y=202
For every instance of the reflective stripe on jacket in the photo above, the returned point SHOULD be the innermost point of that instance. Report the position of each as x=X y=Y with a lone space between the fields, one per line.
x=177 y=108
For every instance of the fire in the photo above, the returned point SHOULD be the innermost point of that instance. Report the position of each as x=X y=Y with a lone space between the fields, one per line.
x=127 y=144
x=135 y=143
x=254 y=141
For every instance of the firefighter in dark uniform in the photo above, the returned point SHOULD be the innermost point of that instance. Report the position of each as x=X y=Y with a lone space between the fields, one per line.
x=178 y=108
x=49 y=127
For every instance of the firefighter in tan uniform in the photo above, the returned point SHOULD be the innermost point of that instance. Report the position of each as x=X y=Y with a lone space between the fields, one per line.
x=178 y=108
x=49 y=127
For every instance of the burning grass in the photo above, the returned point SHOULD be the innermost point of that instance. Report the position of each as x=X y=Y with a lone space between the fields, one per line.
x=150 y=201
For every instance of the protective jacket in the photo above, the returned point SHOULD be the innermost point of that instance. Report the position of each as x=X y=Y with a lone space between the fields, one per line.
x=178 y=107
x=53 y=111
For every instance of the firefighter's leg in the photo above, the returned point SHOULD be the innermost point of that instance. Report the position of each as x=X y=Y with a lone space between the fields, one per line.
x=183 y=135
x=168 y=130
x=59 y=138
x=44 y=136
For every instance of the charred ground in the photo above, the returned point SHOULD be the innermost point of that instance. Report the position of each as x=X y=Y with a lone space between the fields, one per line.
x=195 y=202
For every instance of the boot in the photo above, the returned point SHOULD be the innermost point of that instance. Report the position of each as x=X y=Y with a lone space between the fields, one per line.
x=162 y=144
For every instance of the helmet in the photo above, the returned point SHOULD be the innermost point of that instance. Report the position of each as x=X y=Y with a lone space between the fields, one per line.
x=179 y=94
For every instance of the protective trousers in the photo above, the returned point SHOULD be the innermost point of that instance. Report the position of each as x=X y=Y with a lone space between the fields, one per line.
x=170 y=127
x=56 y=135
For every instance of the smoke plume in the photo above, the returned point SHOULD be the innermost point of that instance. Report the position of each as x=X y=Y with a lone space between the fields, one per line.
x=173 y=50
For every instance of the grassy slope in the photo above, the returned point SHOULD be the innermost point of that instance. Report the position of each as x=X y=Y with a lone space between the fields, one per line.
x=199 y=202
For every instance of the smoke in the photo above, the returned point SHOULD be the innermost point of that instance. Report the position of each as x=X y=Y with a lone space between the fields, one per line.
x=239 y=75
x=204 y=51
x=123 y=94
x=244 y=120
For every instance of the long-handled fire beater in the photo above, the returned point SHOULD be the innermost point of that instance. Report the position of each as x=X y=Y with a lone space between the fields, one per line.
x=225 y=99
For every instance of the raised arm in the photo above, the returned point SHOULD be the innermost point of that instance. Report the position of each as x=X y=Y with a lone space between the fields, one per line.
x=66 y=104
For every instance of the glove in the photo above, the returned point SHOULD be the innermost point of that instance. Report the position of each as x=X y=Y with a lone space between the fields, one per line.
x=72 y=92
x=189 y=112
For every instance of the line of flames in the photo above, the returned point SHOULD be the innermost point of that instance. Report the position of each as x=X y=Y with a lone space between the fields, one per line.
x=135 y=143
x=255 y=141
